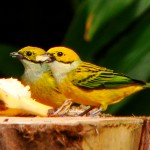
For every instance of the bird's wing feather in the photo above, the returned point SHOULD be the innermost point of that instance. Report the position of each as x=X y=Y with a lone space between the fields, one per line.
x=88 y=75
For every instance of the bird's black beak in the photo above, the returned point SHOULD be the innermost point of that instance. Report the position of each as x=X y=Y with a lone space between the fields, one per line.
x=51 y=58
x=16 y=55
x=46 y=58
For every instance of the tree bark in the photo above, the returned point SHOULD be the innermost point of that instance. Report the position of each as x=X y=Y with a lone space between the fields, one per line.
x=74 y=133
x=145 y=136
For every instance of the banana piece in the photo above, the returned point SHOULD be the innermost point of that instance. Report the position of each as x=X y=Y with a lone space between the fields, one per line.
x=15 y=99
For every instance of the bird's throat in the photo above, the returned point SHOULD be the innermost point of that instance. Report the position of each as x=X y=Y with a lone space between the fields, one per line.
x=60 y=70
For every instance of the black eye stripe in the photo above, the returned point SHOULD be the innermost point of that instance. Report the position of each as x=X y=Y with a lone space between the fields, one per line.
x=59 y=54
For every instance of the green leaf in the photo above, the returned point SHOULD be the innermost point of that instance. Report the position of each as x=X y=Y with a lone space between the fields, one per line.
x=132 y=51
x=106 y=30
x=102 y=13
x=131 y=55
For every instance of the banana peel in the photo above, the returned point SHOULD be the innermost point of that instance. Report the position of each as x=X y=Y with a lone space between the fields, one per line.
x=15 y=100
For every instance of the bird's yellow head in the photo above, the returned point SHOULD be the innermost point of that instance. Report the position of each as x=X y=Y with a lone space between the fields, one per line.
x=62 y=54
x=28 y=53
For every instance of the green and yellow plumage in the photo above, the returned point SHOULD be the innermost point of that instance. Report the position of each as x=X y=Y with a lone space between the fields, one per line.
x=86 y=83
x=39 y=77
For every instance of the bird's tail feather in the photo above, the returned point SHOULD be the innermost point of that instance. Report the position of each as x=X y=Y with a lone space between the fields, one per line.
x=147 y=85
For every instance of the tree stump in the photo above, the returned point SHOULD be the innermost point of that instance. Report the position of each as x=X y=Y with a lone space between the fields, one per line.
x=145 y=136
x=74 y=133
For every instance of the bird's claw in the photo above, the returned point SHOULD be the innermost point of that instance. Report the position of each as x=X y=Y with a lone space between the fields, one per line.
x=62 y=110
x=95 y=113
x=86 y=111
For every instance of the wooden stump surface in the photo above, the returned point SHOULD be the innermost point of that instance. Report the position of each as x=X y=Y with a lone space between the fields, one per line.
x=74 y=133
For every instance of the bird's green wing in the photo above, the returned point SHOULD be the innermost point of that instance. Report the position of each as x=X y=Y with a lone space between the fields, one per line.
x=88 y=75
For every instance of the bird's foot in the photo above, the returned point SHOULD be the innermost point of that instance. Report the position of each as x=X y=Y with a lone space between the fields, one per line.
x=96 y=113
x=86 y=111
x=62 y=110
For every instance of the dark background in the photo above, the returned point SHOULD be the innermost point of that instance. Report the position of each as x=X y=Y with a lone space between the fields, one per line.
x=33 y=23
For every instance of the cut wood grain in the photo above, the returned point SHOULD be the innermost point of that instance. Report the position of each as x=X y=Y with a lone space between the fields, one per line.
x=70 y=133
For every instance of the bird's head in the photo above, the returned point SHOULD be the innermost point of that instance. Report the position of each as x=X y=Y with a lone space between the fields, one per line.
x=59 y=54
x=61 y=60
x=28 y=53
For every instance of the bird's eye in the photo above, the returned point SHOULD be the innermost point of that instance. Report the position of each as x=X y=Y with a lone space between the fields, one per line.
x=59 y=54
x=28 y=53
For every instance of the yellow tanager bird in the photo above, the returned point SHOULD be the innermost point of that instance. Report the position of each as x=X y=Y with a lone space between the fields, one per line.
x=39 y=77
x=86 y=83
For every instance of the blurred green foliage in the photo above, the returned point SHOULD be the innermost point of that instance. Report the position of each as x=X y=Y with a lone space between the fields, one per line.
x=114 y=34
x=9 y=67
